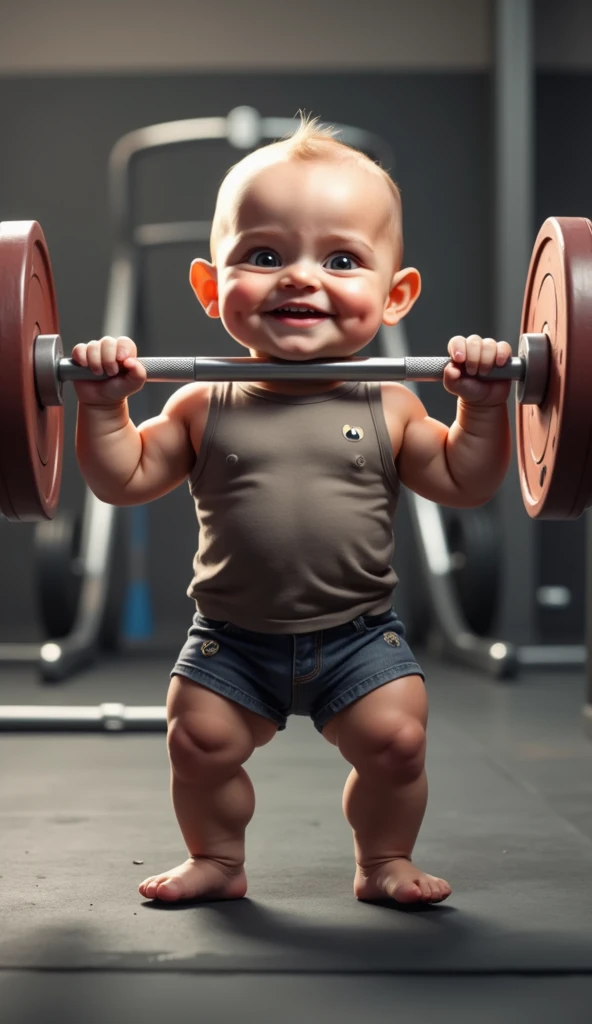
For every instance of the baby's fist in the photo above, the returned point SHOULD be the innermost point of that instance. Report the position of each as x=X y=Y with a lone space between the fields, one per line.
x=471 y=356
x=117 y=357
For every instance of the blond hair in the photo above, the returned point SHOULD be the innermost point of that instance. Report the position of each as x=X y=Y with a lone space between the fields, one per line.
x=311 y=141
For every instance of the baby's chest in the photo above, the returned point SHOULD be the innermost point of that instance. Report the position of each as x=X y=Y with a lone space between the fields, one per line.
x=303 y=442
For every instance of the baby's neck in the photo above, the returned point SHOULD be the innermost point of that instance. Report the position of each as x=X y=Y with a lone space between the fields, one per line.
x=298 y=387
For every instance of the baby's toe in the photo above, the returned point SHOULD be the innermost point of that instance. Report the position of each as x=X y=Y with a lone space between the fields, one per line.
x=425 y=888
x=440 y=889
x=435 y=889
x=169 y=889
x=407 y=892
x=151 y=888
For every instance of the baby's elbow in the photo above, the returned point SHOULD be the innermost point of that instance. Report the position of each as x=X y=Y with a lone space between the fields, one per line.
x=109 y=497
x=477 y=496
x=114 y=493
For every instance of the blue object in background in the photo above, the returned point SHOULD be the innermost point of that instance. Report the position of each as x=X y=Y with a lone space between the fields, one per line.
x=138 y=620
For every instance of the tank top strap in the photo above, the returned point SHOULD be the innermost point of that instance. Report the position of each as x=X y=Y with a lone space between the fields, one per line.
x=374 y=397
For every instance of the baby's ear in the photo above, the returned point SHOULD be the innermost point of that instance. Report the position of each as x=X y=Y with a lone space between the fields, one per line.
x=204 y=281
x=404 y=293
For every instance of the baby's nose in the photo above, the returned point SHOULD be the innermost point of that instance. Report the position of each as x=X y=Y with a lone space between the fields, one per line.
x=301 y=275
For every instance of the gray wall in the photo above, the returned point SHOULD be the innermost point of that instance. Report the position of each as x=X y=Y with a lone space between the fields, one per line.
x=132 y=36
x=114 y=36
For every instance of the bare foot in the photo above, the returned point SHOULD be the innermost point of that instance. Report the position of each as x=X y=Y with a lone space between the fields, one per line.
x=197 y=878
x=399 y=880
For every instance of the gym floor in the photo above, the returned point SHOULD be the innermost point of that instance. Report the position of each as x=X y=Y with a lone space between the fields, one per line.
x=86 y=816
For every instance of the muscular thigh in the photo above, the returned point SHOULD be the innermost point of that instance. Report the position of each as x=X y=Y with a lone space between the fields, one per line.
x=188 y=699
x=400 y=700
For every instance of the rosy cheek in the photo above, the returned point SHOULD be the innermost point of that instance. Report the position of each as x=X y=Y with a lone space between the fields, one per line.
x=245 y=289
x=358 y=297
x=236 y=297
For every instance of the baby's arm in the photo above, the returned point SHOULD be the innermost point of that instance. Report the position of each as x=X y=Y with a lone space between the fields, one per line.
x=121 y=463
x=463 y=465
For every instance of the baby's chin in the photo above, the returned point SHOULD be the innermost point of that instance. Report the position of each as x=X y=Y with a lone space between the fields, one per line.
x=296 y=352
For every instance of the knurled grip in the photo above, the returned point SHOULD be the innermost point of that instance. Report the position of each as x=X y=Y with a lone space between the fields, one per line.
x=169 y=367
x=432 y=368
x=158 y=368
x=425 y=367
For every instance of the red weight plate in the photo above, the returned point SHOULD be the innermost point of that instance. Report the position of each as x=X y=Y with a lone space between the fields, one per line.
x=554 y=439
x=30 y=436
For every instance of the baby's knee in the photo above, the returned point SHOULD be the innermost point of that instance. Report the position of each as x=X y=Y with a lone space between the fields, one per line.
x=398 y=749
x=206 y=746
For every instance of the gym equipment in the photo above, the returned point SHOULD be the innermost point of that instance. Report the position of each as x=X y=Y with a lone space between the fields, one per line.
x=551 y=371
x=553 y=439
x=57 y=572
x=437 y=598
x=108 y=717
x=31 y=433
x=476 y=554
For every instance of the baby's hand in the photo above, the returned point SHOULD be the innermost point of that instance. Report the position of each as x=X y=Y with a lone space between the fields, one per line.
x=476 y=356
x=112 y=356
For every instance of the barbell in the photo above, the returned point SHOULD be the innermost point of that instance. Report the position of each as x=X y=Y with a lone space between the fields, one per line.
x=553 y=371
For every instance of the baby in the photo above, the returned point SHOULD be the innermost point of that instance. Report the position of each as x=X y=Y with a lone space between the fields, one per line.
x=296 y=485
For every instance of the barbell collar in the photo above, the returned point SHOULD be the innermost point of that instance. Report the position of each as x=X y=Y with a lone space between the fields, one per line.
x=47 y=355
x=534 y=352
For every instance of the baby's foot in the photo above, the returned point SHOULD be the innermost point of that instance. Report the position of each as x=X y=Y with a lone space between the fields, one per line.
x=197 y=878
x=399 y=880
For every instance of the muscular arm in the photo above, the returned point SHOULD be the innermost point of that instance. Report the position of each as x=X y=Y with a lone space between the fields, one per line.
x=127 y=465
x=462 y=465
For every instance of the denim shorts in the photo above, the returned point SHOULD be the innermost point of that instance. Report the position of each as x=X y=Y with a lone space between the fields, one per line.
x=315 y=674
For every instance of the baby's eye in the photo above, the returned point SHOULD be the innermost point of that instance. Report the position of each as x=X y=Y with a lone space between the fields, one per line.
x=264 y=258
x=341 y=261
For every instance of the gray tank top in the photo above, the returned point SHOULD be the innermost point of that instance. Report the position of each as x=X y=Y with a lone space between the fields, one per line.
x=295 y=497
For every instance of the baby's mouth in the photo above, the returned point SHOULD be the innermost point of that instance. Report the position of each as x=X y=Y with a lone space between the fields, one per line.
x=298 y=313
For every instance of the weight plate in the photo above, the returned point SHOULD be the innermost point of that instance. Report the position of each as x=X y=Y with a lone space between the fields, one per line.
x=31 y=436
x=554 y=439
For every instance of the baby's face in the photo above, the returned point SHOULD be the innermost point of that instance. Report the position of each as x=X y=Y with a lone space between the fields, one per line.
x=308 y=263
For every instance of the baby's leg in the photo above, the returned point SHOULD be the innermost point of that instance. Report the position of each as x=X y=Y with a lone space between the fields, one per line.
x=383 y=736
x=209 y=738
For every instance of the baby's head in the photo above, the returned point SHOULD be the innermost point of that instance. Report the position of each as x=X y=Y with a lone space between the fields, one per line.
x=306 y=249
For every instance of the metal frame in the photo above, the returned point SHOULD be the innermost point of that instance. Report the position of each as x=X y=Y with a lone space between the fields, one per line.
x=514 y=152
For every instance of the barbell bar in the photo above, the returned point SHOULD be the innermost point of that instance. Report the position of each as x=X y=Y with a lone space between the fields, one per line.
x=553 y=371
x=530 y=369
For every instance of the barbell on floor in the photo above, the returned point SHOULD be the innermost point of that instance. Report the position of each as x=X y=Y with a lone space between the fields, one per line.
x=553 y=370
x=107 y=717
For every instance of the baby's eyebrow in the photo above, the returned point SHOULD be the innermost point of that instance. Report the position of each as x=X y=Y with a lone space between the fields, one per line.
x=260 y=234
x=350 y=240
